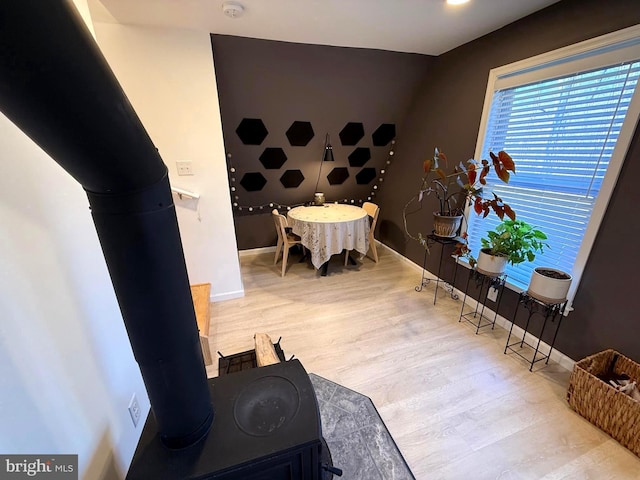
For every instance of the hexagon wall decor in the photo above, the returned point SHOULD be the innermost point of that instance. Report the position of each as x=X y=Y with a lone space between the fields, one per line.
x=351 y=133
x=300 y=133
x=252 y=131
x=253 y=181
x=384 y=134
x=273 y=158
x=338 y=175
x=292 y=178
x=359 y=157
x=365 y=176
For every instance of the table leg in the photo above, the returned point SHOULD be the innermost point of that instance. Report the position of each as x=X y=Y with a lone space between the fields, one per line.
x=324 y=268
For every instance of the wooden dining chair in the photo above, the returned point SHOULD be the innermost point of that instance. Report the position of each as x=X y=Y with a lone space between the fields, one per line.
x=372 y=210
x=286 y=240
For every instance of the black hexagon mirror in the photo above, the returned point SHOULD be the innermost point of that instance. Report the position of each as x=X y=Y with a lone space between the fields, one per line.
x=365 y=176
x=273 y=158
x=338 y=175
x=351 y=133
x=384 y=134
x=253 y=181
x=359 y=157
x=252 y=131
x=292 y=178
x=300 y=133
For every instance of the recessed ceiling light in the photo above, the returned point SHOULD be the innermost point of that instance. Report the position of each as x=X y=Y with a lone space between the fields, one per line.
x=457 y=2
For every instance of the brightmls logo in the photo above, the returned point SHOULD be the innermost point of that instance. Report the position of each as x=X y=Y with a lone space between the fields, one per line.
x=49 y=467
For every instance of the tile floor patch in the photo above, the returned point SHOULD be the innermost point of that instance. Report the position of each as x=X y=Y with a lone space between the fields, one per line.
x=358 y=439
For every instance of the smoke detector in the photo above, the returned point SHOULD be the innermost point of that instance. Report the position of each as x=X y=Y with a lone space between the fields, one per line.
x=232 y=9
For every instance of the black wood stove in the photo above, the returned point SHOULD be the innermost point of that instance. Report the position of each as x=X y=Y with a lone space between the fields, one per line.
x=266 y=427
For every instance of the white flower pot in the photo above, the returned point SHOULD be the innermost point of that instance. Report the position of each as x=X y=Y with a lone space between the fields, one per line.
x=490 y=264
x=549 y=289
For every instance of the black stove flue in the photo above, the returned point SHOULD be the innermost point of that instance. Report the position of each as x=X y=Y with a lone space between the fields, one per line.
x=266 y=427
x=56 y=86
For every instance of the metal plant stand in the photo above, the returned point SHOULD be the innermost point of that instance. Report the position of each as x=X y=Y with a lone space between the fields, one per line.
x=443 y=242
x=548 y=311
x=484 y=282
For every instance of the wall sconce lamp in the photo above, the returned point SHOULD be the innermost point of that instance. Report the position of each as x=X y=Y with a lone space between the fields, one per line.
x=327 y=156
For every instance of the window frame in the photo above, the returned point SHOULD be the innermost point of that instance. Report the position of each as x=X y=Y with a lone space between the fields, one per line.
x=593 y=53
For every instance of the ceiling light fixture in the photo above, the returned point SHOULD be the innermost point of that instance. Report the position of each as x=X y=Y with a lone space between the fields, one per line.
x=232 y=9
x=457 y=2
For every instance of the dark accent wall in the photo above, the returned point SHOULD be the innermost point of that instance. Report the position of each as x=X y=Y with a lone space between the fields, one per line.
x=446 y=113
x=281 y=83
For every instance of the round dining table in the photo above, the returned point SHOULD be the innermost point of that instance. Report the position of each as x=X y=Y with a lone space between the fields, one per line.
x=329 y=229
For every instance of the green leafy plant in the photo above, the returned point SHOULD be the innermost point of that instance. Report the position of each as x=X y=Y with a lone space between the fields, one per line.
x=516 y=240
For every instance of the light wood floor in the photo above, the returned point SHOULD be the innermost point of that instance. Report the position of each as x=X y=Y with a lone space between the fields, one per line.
x=457 y=407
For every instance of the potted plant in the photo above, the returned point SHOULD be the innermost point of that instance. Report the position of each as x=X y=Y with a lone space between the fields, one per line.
x=549 y=285
x=464 y=185
x=514 y=242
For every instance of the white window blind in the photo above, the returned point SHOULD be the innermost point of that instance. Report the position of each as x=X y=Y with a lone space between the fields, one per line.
x=561 y=132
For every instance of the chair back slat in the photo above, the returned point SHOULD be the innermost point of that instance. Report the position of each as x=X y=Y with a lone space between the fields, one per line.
x=280 y=222
x=285 y=240
x=373 y=210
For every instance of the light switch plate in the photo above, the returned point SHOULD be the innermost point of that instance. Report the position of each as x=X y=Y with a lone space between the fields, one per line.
x=134 y=410
x=184 y=168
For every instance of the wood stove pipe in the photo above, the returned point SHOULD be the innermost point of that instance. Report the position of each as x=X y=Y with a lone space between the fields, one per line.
x=56 y=86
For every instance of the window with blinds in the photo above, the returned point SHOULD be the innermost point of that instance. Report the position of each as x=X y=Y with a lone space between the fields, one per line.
x=561 y=132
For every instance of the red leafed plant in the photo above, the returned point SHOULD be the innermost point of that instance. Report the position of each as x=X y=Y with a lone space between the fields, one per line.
x=470 y=180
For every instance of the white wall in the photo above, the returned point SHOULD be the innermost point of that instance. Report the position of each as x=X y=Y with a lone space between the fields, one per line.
x=169 y=77
x=67 y=371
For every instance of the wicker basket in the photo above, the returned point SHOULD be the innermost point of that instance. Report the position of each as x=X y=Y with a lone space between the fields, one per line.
x=614 y=412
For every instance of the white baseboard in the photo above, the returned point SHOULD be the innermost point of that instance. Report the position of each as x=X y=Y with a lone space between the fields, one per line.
x=256 y=251
x=221 y=297
x=411 y=263
x=531 y=339
x=502 y=322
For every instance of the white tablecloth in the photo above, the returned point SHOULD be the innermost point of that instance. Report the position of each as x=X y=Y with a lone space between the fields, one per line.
x=329 y=229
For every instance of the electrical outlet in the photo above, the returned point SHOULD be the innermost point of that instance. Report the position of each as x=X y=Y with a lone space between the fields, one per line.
x=184 y=168
x=134 y=410
x=492 y=294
